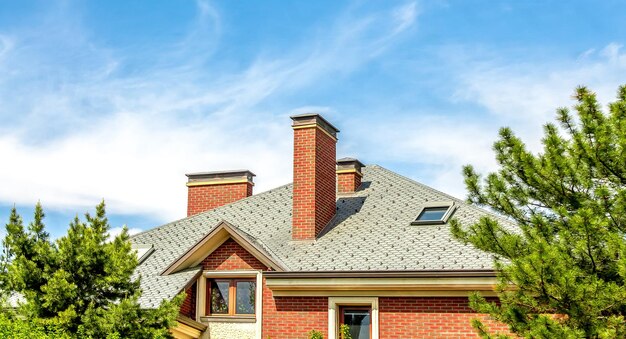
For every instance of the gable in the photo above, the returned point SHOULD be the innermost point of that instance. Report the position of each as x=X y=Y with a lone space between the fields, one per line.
x=231 y=256
x=240 y=250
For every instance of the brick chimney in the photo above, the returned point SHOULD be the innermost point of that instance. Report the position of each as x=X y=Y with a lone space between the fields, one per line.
x=348 y=175
x=314 y=183
x=208 y=190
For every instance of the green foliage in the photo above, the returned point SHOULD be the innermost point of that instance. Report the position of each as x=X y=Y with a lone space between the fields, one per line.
x=568 y=256
x=82 y=283
x=15 y=328
x=344 y=332
x=315 y=334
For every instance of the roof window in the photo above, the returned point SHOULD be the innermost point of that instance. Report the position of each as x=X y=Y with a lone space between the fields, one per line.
x=143 y=252
x=434 y=213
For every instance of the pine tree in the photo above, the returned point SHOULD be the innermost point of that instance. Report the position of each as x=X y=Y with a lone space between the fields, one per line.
x=562 y=271
x=80 y=285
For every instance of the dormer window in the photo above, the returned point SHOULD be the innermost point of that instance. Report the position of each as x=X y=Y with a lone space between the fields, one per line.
x=434 y=213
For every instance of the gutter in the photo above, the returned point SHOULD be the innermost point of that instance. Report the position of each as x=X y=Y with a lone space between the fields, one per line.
x=382 y=274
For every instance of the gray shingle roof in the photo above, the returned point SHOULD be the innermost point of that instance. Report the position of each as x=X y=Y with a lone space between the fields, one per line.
x=371 y=231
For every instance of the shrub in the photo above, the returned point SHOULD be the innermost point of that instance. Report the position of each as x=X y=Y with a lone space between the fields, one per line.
x=315 y=334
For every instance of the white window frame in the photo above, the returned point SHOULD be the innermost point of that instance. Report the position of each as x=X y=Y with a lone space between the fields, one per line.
x=334 y=303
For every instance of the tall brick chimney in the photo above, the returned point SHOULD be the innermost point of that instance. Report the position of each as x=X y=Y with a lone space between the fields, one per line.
x=314 y=183
x=348 y=175
x=208 y=190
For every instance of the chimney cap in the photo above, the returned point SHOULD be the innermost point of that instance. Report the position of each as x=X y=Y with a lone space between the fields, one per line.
x=349 y=164
x=220 y=176
x=314 y=118
x=347 y=160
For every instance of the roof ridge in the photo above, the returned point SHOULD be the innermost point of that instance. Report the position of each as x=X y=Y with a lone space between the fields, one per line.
x=413 y=181
x=208 y=211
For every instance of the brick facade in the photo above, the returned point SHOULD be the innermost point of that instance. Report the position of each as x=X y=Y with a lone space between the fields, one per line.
x=204 y=198
x=399 y=317
x=293 y=317
x=429 y=317
x=348 y=182
x=188 y=308
x=230 y=256
x=314 y=184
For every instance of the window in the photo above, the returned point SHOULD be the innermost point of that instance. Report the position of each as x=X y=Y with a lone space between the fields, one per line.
x=358 y=319
x=434 y=213
x=143 y=252
x=359 y=313
x=231 y=296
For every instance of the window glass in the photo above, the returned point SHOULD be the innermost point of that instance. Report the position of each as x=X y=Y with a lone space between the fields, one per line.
x=245 y=297
x=231 y=297
x=219 y=296
x=432 y=213
x=358 y=321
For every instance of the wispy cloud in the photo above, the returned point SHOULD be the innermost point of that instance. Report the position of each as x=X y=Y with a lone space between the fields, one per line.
x=405 y=16
x=494 y=92
x=80 y=130
x=526 y=95
x=432 y=148
x=6 y=44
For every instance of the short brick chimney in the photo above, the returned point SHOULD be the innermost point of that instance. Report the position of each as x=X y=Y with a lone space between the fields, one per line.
x=208 y=190
x=348 y=175
x=314 y=183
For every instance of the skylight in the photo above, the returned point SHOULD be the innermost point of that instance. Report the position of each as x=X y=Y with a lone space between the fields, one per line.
x=434 y=213
x=143 y=251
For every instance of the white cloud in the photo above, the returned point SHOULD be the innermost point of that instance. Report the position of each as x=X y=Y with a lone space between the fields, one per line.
x=137 y=164
x=87 y=131
x=405 y=16
x=433 y=147
x=115 y=231
x=526 y=95
x=6 y=44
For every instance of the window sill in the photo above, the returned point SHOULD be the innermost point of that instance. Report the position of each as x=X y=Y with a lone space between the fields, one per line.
x=229 y=318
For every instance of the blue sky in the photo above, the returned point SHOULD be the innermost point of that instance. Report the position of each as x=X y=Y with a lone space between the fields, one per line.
x=118 y=99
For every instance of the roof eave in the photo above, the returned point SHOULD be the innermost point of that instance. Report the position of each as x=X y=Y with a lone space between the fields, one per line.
x=384 y=274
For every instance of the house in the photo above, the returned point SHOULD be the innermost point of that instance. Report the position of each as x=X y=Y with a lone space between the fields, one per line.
x=344 y=244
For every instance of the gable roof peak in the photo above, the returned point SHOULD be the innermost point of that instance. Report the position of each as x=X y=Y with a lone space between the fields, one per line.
x=216 y=237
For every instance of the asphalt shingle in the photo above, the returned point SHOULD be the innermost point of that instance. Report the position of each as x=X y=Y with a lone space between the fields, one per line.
x=372 y=231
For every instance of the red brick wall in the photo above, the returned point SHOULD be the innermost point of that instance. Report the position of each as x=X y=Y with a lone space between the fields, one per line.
x=188 y=308
x=230 y=256
x=314 y=182
x=204 y=198
x=293 y=317
x=348 y=182
x=406 y=318
x=429 y=317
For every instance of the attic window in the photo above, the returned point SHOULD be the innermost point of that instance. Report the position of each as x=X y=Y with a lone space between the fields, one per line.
x=143 y=252
x=434 y=213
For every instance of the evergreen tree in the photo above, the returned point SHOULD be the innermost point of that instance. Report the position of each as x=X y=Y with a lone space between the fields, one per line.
x=562 y=271
x=82 y=284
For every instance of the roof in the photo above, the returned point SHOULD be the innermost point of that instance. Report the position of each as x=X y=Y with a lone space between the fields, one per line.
x=372 y=231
